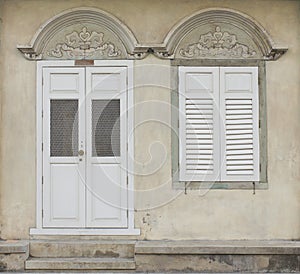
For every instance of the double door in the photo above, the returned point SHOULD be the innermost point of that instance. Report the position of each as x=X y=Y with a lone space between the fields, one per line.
x=84 y=147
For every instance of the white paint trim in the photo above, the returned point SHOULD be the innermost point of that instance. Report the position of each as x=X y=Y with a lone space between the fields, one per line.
x=39 y=230
x=39 y=140
x=130 y=142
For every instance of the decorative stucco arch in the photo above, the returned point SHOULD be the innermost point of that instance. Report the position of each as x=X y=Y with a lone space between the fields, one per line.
x=82 y=33
x=219 y=33
x=90 y=33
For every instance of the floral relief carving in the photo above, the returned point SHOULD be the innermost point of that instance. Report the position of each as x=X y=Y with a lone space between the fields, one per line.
x=84 y=44
x=217 y=44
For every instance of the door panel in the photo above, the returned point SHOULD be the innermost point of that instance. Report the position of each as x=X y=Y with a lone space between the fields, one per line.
x=106 y=147
x=106 y=191
x=63 y=126
x=64 y=193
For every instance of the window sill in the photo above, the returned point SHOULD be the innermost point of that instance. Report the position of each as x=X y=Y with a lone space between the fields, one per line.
x=220 y=185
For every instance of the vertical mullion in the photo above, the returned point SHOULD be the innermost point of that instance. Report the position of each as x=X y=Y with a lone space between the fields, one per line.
x=222 y=124
x=88 y=138
x=217 y=124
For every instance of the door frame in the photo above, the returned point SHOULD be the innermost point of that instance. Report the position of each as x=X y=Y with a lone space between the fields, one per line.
x=39 y=230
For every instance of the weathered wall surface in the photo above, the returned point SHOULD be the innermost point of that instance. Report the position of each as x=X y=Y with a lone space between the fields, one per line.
x=1 y=8
x=162 y=213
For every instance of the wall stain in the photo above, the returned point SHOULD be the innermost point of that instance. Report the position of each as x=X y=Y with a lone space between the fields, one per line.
x=100 y=253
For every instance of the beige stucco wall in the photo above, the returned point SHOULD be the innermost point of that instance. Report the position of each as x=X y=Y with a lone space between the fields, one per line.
x=1 y=9
x=215 y=214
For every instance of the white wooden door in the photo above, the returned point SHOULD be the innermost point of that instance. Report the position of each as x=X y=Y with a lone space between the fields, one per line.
x=84 y=147
x=106 y=147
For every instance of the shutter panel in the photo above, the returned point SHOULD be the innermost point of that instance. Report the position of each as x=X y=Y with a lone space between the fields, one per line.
x=239 y=110
x=199 y=123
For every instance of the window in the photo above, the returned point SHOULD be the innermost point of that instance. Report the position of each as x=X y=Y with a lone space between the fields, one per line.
x=218 y=124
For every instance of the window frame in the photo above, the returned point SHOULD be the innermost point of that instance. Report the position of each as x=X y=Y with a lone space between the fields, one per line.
x=196 y=185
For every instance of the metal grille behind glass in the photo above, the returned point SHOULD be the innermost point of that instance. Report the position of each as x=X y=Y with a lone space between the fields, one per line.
x=63 y=128
x=105 y=128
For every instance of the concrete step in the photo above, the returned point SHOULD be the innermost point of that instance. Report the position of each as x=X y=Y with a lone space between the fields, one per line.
x=79 y=264
x=81 y=248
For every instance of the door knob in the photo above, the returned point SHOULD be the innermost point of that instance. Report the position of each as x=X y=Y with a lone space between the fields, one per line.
x=81 y=152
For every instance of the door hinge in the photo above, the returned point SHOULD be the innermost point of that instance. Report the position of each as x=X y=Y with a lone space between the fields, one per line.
x=42 y=114
x=259 y=124
x=42 y=180
x=127 y=180
x=42 y=146
x=42 y=213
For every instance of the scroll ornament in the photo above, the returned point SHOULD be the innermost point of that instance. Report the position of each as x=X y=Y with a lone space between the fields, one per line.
x=218 y=44
x=84 y=44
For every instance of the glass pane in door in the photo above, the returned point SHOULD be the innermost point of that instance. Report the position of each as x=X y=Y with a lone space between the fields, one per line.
x=105 y=128
x=63 y=128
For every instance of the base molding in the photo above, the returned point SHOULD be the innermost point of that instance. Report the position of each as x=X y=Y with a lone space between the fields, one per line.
x=217 y=256
x=133 y=256
x=229 y=247
x=182 y=263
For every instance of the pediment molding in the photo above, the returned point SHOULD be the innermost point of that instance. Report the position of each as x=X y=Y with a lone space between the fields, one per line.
x=66 y=34
x=220 y=34
x=89 y=33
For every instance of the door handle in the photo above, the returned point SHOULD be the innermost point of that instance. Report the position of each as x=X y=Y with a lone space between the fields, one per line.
x=81 y=152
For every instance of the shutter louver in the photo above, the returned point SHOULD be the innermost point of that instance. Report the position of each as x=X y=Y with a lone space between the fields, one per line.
x=239 y=128
x=199 y=124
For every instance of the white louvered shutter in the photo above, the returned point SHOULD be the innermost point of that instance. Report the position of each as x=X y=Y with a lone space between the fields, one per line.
x=199 y=149
x=239 y=109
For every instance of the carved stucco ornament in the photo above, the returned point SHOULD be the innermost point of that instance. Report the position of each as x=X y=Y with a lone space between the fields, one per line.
x=84 y=44
x=217 y=45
